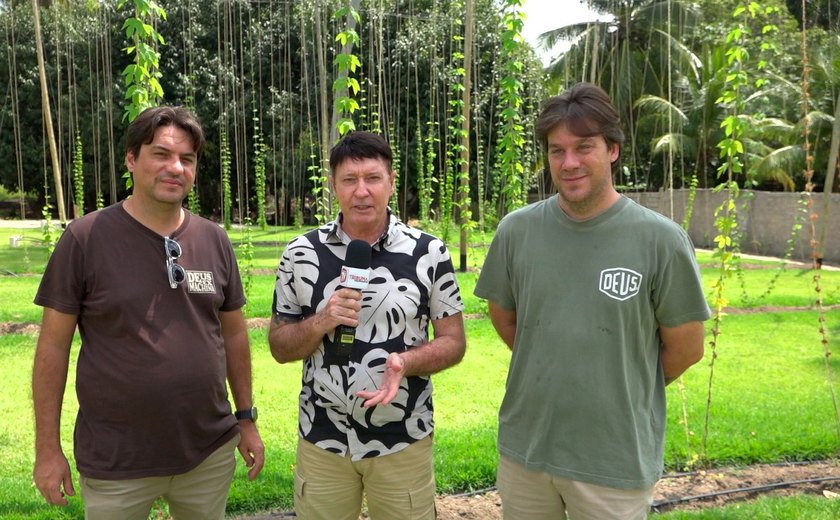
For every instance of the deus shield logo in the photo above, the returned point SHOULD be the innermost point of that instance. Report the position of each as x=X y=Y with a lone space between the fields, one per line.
x=620 y=283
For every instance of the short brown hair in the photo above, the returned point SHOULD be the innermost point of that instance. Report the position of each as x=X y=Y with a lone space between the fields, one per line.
x=142 y=130
x=586 y=110
x=361 y=145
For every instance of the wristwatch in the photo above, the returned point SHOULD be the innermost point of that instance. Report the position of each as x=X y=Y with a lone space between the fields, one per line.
x=250 y=413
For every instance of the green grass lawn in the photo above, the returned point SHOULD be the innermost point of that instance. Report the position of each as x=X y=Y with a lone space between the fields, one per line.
x=770 y=397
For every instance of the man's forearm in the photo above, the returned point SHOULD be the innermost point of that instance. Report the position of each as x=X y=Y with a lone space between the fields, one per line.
x=682 y=346
x=432 y=357
x=292 y=340
x=49 y=377
x=446 y=350
x=504 y=321
x=238 y=356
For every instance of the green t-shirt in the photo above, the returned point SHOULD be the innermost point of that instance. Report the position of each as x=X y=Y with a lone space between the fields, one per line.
x=585 y=396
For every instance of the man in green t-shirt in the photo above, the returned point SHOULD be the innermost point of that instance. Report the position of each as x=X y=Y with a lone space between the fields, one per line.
x=601 y=303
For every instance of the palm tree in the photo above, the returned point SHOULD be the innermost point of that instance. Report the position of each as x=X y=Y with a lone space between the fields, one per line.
x=774 y=156
x=694 y=116
x=634 y=50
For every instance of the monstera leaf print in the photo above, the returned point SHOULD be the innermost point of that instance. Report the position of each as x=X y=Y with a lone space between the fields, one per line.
x=405 y=247
x=395 y=300
x=368 y=376
x=379 y=448
x=421 y=422
x=332 y=445
x=445 y=293
x=301 y=256
x=306 y=413
x=329 y=383
x=428 y=262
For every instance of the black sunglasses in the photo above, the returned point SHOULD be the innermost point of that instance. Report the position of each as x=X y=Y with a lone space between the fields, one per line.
x=176 y=273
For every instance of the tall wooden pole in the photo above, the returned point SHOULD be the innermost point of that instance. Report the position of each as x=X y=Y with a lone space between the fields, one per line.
x=325 y=204
x=45 y=108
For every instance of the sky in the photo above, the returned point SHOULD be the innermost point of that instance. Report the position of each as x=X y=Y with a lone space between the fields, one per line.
x=544 y=15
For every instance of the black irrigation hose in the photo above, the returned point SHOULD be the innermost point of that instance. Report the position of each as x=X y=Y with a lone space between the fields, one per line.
x=662 y=503
x=768 y=464
x=475 y=492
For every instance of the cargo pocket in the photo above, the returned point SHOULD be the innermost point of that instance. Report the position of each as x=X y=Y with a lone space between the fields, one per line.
x=423 y=502
x=301 y=510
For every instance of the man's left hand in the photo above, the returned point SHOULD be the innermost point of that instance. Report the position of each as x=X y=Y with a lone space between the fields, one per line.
x=251 y=448
x=390 y=385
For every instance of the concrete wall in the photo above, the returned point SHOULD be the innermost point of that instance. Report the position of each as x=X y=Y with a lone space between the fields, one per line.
x=765 y=218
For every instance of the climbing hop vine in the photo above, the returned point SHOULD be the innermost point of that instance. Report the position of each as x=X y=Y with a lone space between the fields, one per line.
x=512 y=136
x=424 y=202
x=457 y=185
x=812 y=219
x=259 y=173
x=427 y=189
x=735 y=127
x=224 y=158
x=346 y=86
x=395 y=166
x=245 y=256
x=143 y=89
x=78 y=177
x=455 y=121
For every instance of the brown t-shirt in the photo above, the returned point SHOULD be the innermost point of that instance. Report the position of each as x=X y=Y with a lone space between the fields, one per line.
x=151 y=373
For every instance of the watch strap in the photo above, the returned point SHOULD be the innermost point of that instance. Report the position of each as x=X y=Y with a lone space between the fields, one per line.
x=250 y=413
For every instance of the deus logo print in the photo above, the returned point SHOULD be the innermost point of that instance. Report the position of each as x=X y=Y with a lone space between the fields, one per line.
x=620 y=283
x=200 y=282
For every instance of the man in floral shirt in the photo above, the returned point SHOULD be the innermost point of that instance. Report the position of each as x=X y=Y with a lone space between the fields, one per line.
x=366 y=420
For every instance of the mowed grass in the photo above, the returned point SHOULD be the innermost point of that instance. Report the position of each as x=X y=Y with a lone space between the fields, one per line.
x=799 y=507
x=770 y=400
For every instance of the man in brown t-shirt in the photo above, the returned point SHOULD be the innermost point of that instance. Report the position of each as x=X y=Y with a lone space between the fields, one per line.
x=156 y=295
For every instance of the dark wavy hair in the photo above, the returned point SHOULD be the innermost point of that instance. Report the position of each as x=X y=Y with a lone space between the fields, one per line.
x=586 y=110
x=142 y=130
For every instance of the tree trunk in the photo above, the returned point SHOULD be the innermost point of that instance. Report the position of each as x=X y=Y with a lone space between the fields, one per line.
x=45 y=107
x=829 y=177
x=596 y=45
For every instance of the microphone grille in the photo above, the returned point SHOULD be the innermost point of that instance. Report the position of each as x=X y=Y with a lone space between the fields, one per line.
x=358 y=254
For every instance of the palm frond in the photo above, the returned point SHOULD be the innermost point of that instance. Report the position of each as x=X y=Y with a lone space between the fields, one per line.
x=660 y=108
x=778 y=165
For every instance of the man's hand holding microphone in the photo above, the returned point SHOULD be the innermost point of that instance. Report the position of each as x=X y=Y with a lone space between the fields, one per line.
x=344 y=307
x=346 y=301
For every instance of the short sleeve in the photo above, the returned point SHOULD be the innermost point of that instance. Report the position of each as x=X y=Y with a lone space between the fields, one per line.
x=296 y=275
x=445 y=298
x=494 y=282
x=62 y=286
x=678 y=297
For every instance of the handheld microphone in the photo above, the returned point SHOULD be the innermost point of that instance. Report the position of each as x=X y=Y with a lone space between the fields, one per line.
x=355 y=274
